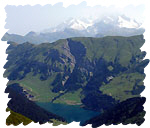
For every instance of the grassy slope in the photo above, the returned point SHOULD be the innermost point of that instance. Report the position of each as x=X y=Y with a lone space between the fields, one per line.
x=121 y=86
x=111 y=47
x=41 y=90
x=16 y=118
x=71 y=98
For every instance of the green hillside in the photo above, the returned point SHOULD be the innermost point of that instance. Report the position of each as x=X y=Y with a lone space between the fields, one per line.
x=78 y=71
x=44 y=70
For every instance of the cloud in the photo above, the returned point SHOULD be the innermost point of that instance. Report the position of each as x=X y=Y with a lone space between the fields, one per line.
x=22 y=19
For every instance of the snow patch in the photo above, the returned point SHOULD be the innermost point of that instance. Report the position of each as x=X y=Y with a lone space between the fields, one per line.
x=127 y=24
x=110 y=18
x=79 y=25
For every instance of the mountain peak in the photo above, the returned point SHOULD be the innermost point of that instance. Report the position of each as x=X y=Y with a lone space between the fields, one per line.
x=127 y=22
x=79 y=24
x=31 y=33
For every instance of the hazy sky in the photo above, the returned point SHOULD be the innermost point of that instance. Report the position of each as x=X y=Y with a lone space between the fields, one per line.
x=23 y=19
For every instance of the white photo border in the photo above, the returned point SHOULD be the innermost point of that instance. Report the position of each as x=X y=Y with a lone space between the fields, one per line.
x=3 y=45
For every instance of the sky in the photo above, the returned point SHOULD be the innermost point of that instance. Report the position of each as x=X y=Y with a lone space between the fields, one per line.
x=23 y=19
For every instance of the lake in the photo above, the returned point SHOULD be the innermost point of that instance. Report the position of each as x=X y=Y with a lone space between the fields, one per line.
x=69 y=112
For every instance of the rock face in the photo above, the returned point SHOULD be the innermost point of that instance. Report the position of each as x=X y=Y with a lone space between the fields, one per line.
x=97 y=73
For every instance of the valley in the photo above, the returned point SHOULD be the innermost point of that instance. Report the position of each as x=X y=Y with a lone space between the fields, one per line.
x=72 y=73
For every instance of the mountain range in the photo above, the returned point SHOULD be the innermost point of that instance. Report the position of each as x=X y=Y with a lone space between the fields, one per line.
x=82 y=27
x=78 y=79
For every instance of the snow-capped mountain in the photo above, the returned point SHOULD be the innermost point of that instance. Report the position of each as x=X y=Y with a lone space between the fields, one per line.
x=83 y=27
x=115 y=26
x=78 y=24
x=72 y=23
x=96 y=26
x=121 y=21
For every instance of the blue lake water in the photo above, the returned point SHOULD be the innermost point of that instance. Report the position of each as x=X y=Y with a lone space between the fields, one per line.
x=69 y=112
